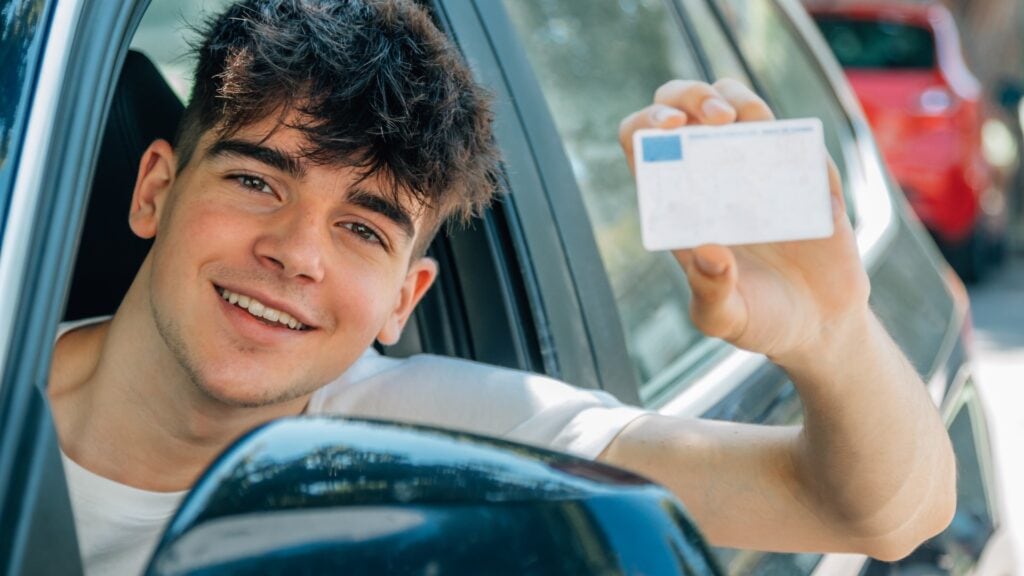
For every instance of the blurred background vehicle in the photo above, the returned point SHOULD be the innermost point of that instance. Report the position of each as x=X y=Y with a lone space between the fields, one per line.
x=928 y=111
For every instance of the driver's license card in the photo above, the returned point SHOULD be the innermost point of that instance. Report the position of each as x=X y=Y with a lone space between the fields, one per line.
x=744 y=183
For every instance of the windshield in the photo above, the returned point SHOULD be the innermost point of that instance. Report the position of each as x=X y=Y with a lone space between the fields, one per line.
x=879 y=44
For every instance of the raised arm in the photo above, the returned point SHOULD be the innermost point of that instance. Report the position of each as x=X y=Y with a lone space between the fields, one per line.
x=871 y=470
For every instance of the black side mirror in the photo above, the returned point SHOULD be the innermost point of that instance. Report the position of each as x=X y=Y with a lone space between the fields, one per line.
x=330 y=495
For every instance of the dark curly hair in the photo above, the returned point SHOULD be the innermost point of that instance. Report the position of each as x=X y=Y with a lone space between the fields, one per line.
x=377 y=87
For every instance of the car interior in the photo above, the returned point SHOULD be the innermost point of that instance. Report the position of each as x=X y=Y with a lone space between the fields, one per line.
x=108 y=252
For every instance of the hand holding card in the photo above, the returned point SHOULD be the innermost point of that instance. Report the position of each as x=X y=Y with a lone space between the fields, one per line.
x=746 y=183
x=753 y=211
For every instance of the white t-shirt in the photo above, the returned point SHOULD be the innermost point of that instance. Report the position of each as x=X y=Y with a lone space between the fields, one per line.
x=118 y=526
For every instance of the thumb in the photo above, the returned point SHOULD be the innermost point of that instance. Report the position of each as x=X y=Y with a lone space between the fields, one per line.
x=715 y=307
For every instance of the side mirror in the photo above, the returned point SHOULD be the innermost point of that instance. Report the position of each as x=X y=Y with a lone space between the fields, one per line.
x=331 y=495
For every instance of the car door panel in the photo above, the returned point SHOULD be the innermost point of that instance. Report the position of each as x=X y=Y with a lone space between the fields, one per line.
x=86 y=41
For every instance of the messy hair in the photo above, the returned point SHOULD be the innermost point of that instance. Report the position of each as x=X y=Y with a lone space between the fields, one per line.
x=375 y=85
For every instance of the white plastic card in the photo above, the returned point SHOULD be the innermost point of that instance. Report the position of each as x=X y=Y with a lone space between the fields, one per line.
x=744 y=183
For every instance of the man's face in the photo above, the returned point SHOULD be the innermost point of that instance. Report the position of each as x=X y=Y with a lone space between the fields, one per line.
x=270 y=275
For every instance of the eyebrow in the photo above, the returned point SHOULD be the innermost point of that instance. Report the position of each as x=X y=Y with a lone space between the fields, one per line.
x=384 y=206
x=289 y=164
x=264 y=154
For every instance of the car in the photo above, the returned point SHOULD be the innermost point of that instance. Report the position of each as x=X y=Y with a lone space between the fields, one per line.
x=904 y=61
x=551 y=279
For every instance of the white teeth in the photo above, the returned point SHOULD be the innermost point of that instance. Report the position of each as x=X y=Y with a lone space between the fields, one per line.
x=261 y=310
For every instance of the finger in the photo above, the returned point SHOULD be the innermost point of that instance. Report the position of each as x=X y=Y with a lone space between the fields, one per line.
x=835 y=186
x=698 y=99
x=748 y=105
x=653 y=116
x=715 y=306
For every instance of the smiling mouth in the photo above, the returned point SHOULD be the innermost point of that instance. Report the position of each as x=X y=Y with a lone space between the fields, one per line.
x=262 y=312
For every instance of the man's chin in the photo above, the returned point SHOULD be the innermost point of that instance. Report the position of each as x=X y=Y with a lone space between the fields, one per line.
x=250 y=394
x=230 y=377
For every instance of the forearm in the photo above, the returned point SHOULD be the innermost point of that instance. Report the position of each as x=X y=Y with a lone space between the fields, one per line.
x=873 y=453
x=871 y=470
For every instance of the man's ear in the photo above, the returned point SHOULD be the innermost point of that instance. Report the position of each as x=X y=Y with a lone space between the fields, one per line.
x=420 y=277
x=156 y=175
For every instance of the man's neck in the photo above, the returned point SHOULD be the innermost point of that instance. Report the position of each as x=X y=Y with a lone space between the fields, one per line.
x=126 y=410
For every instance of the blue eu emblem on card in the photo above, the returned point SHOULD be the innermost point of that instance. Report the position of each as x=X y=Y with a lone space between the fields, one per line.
x=663 y=148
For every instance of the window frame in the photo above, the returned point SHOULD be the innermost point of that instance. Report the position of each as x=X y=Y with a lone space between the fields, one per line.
x=573 y=289
x=85 y=46
x=721 y=369
x=965 y=395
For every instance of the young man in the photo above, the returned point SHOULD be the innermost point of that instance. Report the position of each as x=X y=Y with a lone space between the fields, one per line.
x=324 y=144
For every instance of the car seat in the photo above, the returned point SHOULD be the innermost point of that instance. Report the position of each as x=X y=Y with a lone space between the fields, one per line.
x=143 y=109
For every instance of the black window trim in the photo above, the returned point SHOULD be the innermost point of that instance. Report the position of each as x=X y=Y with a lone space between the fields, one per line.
x=965 y=395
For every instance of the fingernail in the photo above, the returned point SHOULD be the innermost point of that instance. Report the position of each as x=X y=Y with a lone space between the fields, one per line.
x=708 y=268
x=837 y=208
x=663 y=115
x=715 y=106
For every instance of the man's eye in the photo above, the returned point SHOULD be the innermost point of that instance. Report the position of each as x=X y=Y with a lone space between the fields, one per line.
x=255 y=183
x=364 y=232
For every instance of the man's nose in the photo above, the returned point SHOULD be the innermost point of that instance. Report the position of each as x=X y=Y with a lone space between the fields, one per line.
x=294 y=244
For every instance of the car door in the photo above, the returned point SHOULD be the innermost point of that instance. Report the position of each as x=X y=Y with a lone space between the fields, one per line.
x=565 y=73
x=914 y=293
x=573 y=71
x=60 y=59
x=26 y=435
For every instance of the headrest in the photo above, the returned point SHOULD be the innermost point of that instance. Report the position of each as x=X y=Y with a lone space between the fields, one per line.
x=143 y=109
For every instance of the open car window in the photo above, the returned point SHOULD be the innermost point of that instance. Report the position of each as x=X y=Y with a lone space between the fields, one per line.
x=164 y=35
x=588 y=51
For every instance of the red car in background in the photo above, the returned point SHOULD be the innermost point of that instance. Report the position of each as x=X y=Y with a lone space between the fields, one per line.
x=905 y=63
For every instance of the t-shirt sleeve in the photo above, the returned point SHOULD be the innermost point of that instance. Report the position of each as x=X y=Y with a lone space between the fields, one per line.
x=477 y=398
x=583 y=427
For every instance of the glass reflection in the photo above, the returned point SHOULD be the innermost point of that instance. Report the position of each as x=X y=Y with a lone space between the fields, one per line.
x=19 y=29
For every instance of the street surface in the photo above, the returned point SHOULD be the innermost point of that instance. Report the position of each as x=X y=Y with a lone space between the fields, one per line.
x=998 y=309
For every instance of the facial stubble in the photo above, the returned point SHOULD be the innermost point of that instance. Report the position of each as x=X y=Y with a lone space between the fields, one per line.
x=174 y=337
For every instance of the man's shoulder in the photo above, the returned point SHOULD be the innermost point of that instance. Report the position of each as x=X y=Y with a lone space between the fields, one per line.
x=473 y=397
x=75 y=353
x=379 y=379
